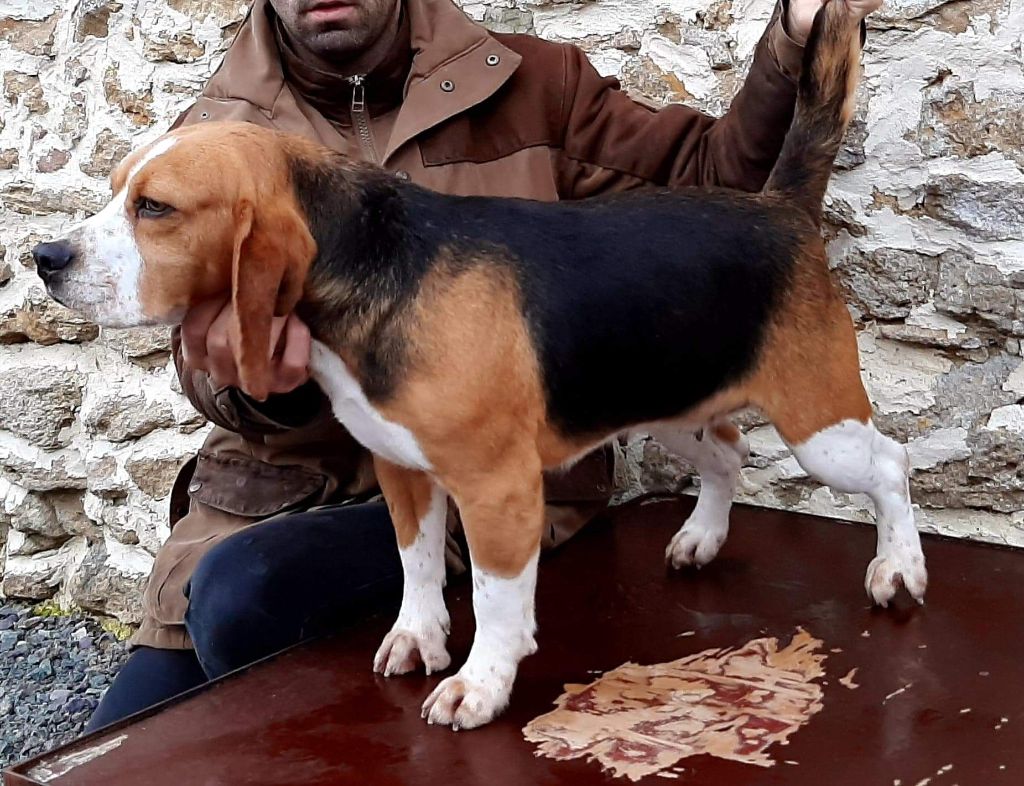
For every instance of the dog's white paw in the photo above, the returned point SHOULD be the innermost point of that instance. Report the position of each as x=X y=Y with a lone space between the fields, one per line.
x=888 y=572
x=463 y=703
x=403 y=651
x=696 y=544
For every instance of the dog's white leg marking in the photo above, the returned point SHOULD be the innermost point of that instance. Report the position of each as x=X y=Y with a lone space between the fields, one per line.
x=718 y=463
x=421 y=630
x=389 y=440
x=854 y=457
x=505 y=628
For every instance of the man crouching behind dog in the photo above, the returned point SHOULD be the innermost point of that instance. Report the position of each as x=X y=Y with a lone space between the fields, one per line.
x=273 y=538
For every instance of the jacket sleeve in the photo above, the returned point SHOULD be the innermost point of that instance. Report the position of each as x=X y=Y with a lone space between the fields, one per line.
x=231 y=409
x=612 y=142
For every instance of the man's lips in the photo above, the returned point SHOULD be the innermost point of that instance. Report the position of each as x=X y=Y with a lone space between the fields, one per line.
x=330 y=10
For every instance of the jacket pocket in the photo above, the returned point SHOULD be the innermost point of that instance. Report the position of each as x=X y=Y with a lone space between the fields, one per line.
x=248 y=487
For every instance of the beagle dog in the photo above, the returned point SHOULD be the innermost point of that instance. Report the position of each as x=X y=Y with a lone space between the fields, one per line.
x=472 y=342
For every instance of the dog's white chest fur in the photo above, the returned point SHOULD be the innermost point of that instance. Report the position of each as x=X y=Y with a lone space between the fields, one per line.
x=389 y=440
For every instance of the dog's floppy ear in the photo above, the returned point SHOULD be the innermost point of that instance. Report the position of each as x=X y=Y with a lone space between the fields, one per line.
x=272 y=254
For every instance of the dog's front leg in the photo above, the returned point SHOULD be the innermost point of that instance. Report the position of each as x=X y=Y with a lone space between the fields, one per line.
x=418 y=508
x=503 y=519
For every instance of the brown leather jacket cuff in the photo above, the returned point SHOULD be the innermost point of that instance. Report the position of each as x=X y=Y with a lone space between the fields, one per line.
x=280 y=412
x=786 y=52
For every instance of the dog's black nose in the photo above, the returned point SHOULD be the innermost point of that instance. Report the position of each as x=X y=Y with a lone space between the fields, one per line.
x=51 y=257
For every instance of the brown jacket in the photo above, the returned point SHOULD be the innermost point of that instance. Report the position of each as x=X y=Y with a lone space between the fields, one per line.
x=501 y=115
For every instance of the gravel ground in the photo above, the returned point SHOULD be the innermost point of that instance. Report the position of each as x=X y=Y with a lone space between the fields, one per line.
x=53 y=671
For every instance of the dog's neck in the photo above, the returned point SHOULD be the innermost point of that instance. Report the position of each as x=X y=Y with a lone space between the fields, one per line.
x=364 y=269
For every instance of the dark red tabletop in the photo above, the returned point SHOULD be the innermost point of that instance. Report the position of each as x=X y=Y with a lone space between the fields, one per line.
x=953 y=672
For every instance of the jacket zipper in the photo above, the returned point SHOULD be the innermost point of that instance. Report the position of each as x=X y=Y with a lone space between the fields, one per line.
x=360 y=118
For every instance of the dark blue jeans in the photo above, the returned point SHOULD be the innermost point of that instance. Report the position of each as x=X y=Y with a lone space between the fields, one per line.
x=262 y=590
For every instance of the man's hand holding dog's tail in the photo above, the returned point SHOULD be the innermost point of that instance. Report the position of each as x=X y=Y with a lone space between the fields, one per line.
x=801 y=15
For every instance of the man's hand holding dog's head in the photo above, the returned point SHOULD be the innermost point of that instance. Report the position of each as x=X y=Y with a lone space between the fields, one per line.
x=207 y=338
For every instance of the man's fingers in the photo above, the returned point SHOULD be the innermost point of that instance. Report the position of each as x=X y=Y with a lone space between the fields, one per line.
x=292 y=369
x=278 y=336
x=194 y=329
x=861 y=8
x=295 y=358
x=220 y=359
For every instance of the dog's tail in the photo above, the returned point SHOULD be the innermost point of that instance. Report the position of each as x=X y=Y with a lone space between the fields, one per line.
x=826 y=99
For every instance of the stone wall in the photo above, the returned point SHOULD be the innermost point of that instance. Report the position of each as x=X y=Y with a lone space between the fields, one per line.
x=925 y=220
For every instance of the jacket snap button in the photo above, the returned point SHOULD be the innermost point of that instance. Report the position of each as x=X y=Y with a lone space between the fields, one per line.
x=493 y=60
x=204 y=115
x=194 y=486
x=447 y=85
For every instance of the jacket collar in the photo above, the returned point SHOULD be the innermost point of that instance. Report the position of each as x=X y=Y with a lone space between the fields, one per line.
x=331 y=93
x=456 y=65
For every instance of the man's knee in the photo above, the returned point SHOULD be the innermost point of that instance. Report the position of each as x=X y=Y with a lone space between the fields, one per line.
x=269 y=586
x=230 y=598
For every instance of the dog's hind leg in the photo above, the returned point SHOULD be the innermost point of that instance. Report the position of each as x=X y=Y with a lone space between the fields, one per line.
x=808 y=384
x=853 y=456
x=717 y=452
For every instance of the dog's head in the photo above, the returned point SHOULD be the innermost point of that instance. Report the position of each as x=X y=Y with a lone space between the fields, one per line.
x=202 y=212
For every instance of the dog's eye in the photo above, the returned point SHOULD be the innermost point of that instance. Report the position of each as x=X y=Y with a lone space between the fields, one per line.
x=150 y=208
